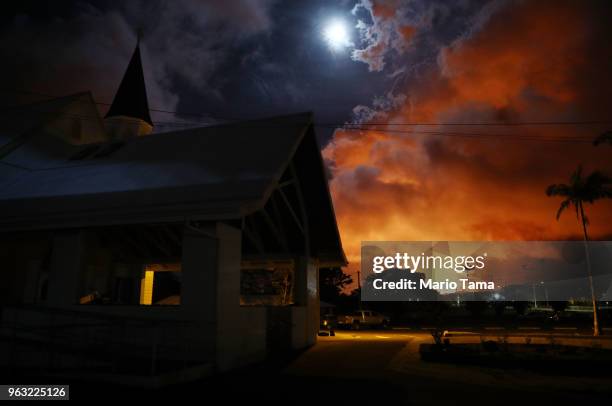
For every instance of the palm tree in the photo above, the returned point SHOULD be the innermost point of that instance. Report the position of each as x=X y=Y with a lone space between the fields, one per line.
x=579 y=191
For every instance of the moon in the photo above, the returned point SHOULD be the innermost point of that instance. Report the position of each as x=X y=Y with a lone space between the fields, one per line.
x=336 y=35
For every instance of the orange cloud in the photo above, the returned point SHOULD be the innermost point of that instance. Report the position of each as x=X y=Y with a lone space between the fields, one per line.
x=385 y=9
x=531 y=61
x=406 y=31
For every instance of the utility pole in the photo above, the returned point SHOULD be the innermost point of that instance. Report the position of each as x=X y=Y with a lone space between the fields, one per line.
x=359 y=287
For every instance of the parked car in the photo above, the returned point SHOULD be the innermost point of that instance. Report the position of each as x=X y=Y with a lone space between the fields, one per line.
x=328 y=325
x=363 y=318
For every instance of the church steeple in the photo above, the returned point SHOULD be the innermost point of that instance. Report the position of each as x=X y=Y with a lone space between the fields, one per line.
x=129 y=113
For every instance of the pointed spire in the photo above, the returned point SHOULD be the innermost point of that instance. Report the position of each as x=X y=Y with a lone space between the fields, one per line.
x=131 y=97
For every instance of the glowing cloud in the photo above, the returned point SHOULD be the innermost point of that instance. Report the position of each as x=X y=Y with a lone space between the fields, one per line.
x=516 y=66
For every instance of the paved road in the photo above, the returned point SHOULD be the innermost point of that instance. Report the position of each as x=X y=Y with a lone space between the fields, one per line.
x=587 y=330
x=373 y=368
x=390 y=359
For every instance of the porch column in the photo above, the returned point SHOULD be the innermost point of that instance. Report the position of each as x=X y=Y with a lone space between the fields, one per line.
x=65 y=268
x=198 y=292
x=199 y=269
x=241 y=333
x=306 y=313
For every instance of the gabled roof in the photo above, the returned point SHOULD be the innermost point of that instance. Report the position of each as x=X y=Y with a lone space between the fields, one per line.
x=17 y=120
x=73 y=118
x=131 y=97
x=209 y=173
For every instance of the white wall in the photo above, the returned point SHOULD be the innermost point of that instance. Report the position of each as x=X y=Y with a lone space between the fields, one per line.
x=241 y=331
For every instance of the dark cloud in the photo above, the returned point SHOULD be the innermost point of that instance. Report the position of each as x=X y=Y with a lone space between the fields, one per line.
x=88 y=48
x=234 y=58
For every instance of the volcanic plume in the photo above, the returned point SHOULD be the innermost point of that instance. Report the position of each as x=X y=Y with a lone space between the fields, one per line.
x=524 y=62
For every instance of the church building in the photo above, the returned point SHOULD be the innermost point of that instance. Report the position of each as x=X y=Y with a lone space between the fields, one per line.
x=151 y=257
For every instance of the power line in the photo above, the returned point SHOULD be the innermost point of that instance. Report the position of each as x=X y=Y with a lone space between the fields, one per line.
x=337 y=124
x=97 y=118
x=498 y=136
x=510 y=137
x=369 y=127
x=495 y=124
x=108 y=104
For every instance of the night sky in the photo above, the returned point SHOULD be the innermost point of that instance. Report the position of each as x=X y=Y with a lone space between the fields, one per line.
x=467 y=62
x=228 y=59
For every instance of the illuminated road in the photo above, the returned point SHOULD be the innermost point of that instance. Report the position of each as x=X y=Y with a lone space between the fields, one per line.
x=372 y=367
x=392 y=358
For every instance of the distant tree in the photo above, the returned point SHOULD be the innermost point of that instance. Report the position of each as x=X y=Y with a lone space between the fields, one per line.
x=499 y=308
x=282 y=281
x=579 y=191
x=520 y=307
x=332 y=282
x=476 y=307
x=605 y=138
x=350 y=302
x=559 y=306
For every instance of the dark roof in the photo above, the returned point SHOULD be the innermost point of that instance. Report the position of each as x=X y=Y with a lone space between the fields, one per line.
x=61 y=113
x=209 y=173
x=131 y=97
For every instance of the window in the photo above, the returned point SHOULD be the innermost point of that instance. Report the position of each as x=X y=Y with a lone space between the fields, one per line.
x=160 y=284
x=267 y=283
x=146 y=288
x=132 y=284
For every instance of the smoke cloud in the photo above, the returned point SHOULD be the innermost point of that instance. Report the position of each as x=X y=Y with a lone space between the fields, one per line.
x=519 y=62
x=88 y=48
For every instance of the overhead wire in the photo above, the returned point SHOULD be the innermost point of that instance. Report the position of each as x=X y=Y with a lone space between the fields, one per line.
x=364 y=127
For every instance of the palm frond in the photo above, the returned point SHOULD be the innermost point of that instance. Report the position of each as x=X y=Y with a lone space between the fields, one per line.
x=597 y=186
x=605 y=193
x=581 y=190
x=577 y=212
x=564 y=205
x=598 y=179
x=558 y=190
x=576 y=177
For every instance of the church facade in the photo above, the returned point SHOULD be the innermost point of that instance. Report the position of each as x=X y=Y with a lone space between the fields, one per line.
x=157 y=256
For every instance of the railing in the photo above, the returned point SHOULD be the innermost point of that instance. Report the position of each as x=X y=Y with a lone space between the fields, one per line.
x=50 y=339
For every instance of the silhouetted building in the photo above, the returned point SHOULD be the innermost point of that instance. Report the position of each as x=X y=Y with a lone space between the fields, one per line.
x=167 y=255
